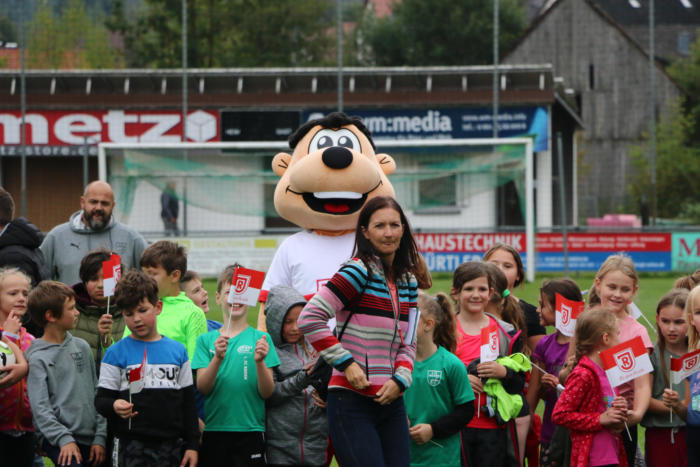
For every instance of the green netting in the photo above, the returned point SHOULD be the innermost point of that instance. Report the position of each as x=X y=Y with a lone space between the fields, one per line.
x=237 y=182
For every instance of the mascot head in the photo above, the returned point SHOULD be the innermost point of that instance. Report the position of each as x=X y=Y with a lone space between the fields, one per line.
x=331 y=174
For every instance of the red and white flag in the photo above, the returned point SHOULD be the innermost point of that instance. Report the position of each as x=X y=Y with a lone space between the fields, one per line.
x=685 y=366
x=246 y=286
x=489 y=343
x=111 y=272
x=137 y=376
x=626 y=361
x=566 y=312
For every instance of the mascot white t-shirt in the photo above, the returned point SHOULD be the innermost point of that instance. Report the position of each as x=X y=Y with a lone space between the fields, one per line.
x=305 y=261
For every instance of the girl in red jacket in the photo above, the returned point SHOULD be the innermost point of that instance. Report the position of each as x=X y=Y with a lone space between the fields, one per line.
x=588 y=406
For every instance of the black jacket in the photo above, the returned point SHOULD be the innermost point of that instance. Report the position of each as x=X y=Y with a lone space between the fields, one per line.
x=19 y=247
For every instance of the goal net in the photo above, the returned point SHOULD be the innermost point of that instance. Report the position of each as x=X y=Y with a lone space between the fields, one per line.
x=455 y=185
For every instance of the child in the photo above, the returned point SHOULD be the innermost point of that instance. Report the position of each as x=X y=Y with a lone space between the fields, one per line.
x=665 y=436
x=158 y=423
x=616 y=283
x=180 y=320
x=508 y=260
x=97 y=325
x=503 y=305
x=484 y=441
x=62 y=381
x=192 y=285
x=16 y=429
x=688 y=408
x=688 y=282
x=588 y=407
x=234 y=361
x=550 y=355
x=297 y=430
x=439 y=401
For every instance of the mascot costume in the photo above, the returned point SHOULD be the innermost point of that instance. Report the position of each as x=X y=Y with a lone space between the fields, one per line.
x=330 y=175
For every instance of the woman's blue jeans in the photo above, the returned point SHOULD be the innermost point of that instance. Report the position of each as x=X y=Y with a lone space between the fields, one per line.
x=365 y=433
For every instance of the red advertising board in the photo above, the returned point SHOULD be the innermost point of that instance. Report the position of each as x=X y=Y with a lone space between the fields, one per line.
x=66 y=127
x=480 y=242
x=546 y=242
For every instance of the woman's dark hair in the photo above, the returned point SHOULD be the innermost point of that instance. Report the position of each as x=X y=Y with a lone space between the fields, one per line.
x=407 y=255
x=564 y=287
x=440 y=309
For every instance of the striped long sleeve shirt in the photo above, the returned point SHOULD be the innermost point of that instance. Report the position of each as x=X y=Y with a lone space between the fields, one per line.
x=375 y=337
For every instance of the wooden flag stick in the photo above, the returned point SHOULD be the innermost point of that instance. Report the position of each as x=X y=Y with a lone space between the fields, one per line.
x=625 y=422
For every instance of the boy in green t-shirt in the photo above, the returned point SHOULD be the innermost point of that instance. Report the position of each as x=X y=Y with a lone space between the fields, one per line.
x=181 y=320
x=234 y=363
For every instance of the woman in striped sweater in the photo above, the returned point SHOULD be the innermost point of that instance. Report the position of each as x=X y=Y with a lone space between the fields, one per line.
x=372 y=297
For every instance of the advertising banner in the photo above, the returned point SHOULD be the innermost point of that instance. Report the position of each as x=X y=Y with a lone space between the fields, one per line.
x=650 y=251
x=685 y=251
x=450 y=123
x=58 y=129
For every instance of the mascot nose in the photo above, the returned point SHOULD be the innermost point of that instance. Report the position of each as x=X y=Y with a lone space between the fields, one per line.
x=337 y=157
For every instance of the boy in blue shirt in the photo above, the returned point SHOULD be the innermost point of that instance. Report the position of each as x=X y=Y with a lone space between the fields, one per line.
x=157 y=423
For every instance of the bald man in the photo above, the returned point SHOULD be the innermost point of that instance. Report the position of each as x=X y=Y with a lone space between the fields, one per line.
x=90 y=228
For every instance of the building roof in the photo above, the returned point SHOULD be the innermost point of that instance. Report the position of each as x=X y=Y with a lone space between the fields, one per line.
x=281 y=86
x=9 y=55
x=594 y=4
x=667 y=12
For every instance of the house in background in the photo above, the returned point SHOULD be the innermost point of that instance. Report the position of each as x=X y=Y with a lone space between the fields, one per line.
x=600 y=49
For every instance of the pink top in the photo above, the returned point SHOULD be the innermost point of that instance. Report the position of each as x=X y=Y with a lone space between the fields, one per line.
x=469 y=349
x=630 y=328
x=604 y=447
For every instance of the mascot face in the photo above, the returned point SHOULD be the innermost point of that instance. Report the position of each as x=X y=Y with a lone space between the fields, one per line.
x=329 y=177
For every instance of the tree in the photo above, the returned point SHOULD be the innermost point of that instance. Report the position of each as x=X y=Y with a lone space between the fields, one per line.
x=73 y=38
x=677 y=149
x=677 y=169
x=687 y=73
x=227 y=33
x=439 y=32
x=8 y=32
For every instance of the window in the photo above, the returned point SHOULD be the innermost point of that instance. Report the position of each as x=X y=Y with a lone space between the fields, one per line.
x=684 y=43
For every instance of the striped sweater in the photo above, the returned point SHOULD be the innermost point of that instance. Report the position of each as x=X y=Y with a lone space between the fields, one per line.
x=374 y=337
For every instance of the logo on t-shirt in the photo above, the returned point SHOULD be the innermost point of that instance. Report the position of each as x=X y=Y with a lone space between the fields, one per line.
x=434 y=377
x=244 y=349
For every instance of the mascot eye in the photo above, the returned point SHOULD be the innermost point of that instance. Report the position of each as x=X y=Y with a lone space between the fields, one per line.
x=345 y=142
x=348 y=139
x=325 y=142
x=327 y=138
